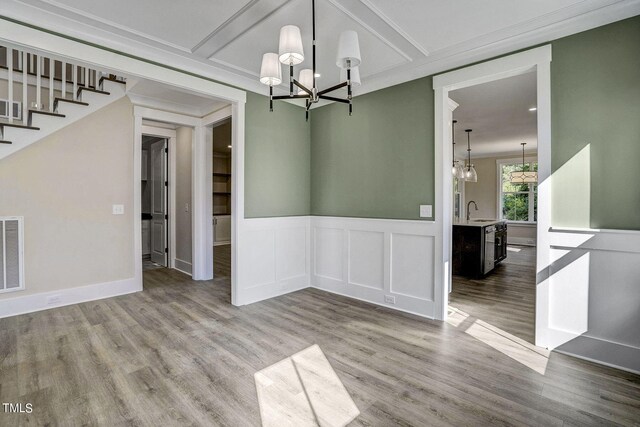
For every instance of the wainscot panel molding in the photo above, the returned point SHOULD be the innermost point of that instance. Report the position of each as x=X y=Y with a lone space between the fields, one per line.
x=183 y=266
x=600 y=269
x=375 y=260
x=46 y=300
x=275 y=256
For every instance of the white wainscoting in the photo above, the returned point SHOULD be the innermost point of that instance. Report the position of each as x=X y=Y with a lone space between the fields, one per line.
x=275 y=257
x=369 y=259
x=594 y=282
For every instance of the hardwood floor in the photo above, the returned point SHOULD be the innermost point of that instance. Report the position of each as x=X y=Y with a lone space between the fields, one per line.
x=180 y=354
x=506 y=297
x=222 y=261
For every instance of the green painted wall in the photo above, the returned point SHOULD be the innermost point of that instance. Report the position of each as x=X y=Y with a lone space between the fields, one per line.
x=277 y=155
x=377 y=163
x=595 y=79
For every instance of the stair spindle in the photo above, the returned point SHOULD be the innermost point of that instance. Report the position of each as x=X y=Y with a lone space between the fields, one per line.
x=52 y=71
x=10 y=83
x=25 y=86
x=75 y=82
x=63 y=88
x=39 y=64
x=86 y=76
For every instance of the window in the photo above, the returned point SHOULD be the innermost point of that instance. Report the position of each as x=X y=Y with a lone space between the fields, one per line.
x=518 y=202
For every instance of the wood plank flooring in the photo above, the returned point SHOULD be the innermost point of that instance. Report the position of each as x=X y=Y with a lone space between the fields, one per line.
x=222 y=261
x=506 y=297
x=180 y=354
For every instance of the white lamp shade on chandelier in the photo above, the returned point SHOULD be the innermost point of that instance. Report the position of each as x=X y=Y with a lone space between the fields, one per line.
x=270 y=71
x=348 y=50
x=306 y=78
x=355 y=76
x=290 y=48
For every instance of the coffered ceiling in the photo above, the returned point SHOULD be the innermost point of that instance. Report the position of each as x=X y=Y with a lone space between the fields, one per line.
x=400 y=40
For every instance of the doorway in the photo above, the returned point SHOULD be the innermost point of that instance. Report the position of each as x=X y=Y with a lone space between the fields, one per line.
x=493 y=253
x=155 y=200
x=222 y=183
x=536 y=60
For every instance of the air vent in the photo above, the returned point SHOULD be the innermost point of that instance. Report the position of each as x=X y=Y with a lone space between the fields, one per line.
x=4 y=110
x=11 y=254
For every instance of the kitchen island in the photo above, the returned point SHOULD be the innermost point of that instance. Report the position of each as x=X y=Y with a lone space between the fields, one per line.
x=478 y=246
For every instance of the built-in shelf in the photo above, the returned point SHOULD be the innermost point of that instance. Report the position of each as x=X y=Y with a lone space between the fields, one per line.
x=221 y=174
x=222 y=193
x=221 y=213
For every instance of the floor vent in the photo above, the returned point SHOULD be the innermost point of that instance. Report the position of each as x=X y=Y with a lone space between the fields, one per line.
x=11 y=254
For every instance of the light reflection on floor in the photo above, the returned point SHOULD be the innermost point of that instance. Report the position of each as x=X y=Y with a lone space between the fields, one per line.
x=535 y=358
x=303 y=390
x=512 y=249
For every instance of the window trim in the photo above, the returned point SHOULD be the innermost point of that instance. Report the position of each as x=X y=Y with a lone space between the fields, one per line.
x=499 y=164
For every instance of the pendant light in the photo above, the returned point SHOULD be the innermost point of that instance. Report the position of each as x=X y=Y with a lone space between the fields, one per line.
x=524 y=176
x=457 y=169
x=470 y=173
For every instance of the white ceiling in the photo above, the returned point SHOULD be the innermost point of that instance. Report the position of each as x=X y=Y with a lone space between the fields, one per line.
x=400 y=40
x=148 y=93
x=498 y=114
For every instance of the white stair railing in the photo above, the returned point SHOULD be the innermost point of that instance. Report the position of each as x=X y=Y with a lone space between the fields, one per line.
x=51 y=79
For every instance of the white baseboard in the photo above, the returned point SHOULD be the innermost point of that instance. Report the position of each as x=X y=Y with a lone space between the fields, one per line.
x=604 y=352
x=520 y=241
x=183 y=266
x=42 y=301
x=369 y=301
x=261 y=293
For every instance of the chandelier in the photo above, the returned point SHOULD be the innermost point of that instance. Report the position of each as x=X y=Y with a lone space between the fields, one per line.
x=290 y=52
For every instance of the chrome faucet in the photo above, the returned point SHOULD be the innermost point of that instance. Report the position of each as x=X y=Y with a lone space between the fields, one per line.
x=468 y=206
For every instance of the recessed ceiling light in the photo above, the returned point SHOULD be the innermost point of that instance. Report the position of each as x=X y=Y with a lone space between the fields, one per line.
x=317 y=75
x=532 y=109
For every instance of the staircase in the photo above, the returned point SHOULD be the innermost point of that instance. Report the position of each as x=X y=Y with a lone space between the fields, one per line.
x=45 y=95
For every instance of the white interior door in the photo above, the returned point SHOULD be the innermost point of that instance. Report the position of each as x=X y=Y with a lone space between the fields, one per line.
x=159 y=202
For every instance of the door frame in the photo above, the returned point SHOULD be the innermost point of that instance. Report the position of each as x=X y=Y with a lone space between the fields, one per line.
x=170 y=136
x=192 y=80
x=536 y=60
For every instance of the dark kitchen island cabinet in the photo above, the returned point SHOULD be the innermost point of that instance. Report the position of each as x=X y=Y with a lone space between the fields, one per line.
x=478 y=246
